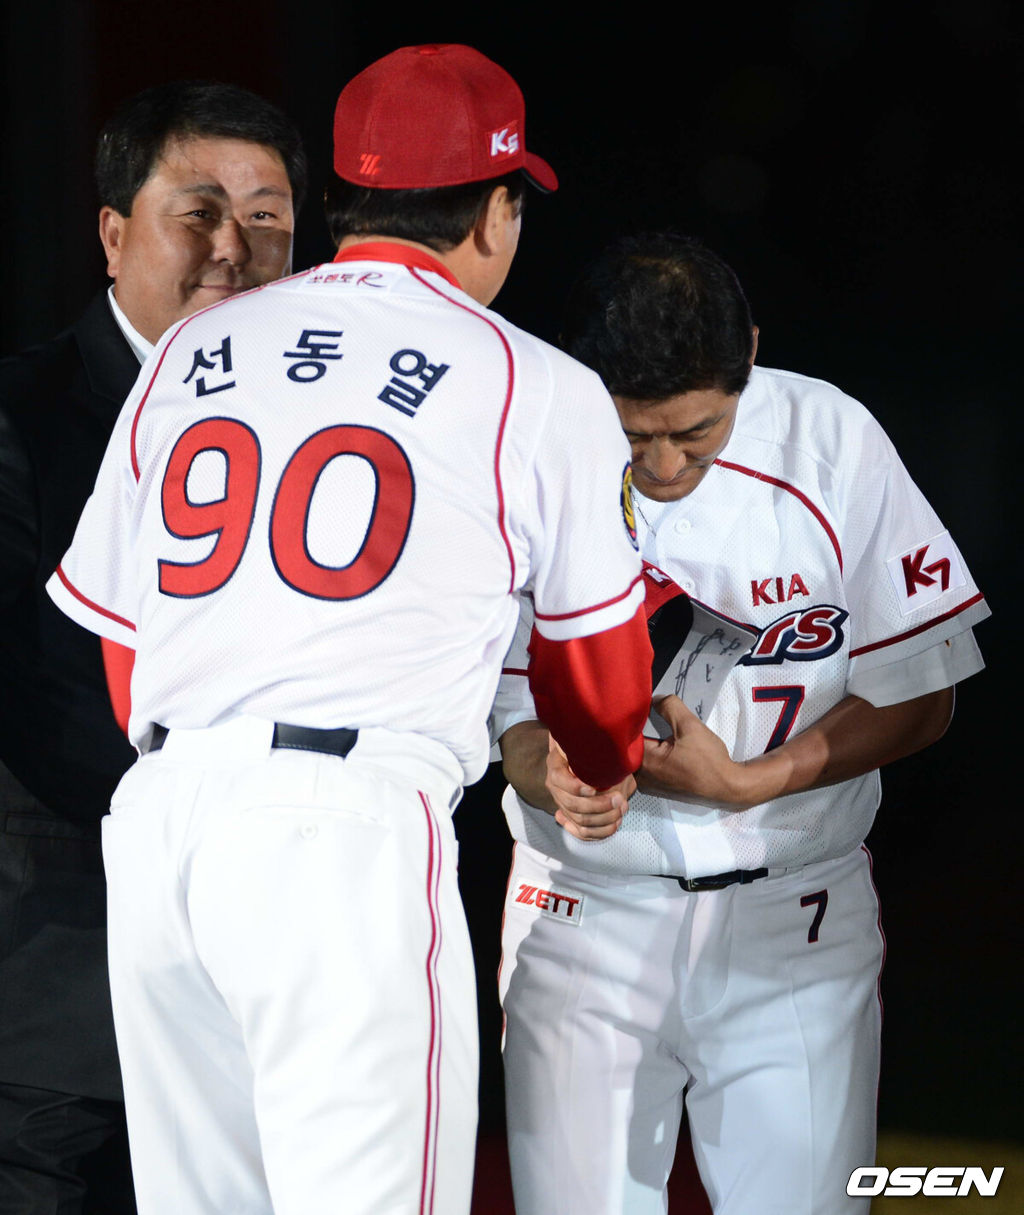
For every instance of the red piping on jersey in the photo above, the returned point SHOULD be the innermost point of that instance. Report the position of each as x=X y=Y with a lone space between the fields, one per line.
x=504 y=415
x=145 y=397
x=430 y=1136
x=921 y=628
x=885 y=949
x=152 y=380
x=102 y=611
x=501 y=933
x=760 y=476
x=401 y=255
x=594 y=607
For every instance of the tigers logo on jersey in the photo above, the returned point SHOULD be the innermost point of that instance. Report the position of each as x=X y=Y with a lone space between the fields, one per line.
x=628 y=514
x=804 y=635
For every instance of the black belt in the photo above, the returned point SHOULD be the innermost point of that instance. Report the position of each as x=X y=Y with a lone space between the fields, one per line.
x=718 y=881
x=296 y=738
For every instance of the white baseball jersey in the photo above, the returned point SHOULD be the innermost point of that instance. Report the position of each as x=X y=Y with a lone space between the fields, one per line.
x=322 y=499
x=809 y=528
x=319 y=508
x=759 y=1001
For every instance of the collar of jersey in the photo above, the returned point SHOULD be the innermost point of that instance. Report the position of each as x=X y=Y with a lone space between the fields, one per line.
x=402 y=255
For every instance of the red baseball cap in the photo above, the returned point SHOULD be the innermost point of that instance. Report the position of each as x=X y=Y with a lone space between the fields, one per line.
x=436 y=115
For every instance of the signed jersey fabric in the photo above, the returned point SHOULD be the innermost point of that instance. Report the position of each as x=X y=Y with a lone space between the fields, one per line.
x=809 y=528
x=370 y=521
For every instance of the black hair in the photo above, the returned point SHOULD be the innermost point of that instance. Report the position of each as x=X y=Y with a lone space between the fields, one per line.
x=657 y=315
x=440 y=218
x=138 y=131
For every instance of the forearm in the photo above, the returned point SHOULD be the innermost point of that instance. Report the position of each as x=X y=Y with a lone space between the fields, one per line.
x=852 y=738
x=570 y=680
x=536 y=767
x=524 y=753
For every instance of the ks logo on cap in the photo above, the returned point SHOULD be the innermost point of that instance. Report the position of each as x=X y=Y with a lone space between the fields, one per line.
x=504 y=142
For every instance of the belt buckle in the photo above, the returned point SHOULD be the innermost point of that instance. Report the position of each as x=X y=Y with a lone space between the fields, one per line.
x=719 y=881
x=714 y=881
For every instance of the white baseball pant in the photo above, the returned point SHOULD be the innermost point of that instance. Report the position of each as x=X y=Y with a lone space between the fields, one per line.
x=292 y=980
x=757 y=1002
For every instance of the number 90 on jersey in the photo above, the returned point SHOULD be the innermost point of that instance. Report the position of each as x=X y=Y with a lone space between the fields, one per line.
x=228 y=519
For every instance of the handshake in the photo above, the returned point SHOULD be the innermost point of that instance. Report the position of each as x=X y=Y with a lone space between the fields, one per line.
x=694 y=650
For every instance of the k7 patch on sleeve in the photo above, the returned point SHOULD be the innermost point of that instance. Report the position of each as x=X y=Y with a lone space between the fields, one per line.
x=925 y=573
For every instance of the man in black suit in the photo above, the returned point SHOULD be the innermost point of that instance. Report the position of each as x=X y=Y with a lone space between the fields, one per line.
x=198 y=185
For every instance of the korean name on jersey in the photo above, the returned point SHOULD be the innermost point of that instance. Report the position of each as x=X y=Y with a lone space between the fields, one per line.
x=277 y=443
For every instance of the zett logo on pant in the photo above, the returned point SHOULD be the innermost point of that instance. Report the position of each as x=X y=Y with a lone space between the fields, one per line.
x=565 y=907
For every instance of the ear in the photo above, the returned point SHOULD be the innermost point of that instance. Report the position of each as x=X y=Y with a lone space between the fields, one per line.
x=753 y=348
x=112 y=229
x=491 y=232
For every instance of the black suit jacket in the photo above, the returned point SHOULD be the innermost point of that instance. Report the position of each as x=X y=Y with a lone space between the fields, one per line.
x=62 y=753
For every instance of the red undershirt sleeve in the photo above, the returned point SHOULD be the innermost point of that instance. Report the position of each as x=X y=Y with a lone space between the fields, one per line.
x=118 y=661
x=594 y=694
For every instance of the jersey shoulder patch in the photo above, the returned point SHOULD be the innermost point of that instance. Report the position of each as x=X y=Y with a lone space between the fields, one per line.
x=926 y=572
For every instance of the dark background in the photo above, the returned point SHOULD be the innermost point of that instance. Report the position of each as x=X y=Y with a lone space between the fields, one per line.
x=856 y=163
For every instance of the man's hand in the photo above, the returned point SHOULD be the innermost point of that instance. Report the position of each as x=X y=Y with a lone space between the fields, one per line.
x=536 y=767
x=692 y=765
x=580 y=809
